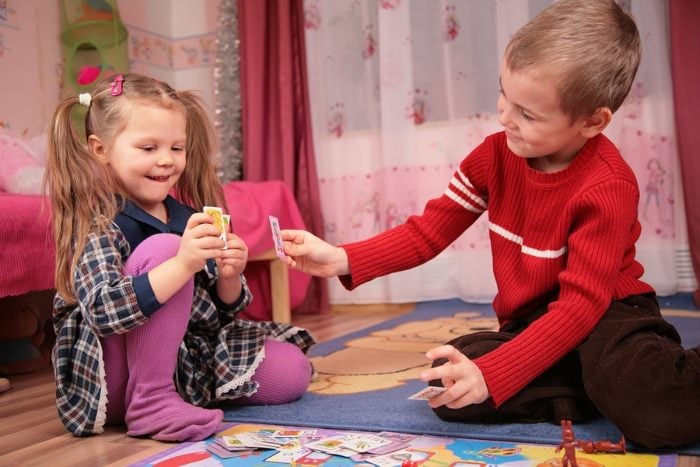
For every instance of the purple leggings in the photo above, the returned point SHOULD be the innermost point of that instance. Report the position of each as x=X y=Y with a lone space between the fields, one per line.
x=283 y=375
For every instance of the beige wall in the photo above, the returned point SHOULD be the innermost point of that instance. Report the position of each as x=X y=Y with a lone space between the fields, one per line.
x=173 y=40
x=30 y=64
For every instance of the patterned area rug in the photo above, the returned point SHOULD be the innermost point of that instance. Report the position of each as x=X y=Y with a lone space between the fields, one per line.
x=365 y=379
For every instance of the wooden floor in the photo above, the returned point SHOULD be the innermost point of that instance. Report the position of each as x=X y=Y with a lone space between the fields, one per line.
x=32 y=435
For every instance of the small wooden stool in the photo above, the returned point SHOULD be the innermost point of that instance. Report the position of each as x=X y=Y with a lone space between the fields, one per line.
x=279 y=286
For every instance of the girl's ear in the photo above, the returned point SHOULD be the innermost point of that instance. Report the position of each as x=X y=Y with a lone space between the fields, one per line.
x=596 y=123
x=97 y=148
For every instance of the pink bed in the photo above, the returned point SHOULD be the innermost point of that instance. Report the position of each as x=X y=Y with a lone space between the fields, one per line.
x=27 y=255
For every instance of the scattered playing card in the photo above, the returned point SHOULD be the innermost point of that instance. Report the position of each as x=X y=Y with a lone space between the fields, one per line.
x=225 y=453
x=398 y=457
x=289 y=456
x=428 y=393
x=391 y=447
x=220 y=221
x=277 y=237
x=363 y=442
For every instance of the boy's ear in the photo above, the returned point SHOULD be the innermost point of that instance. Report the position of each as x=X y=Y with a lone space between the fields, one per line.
x=596 y=123
x=97 y=148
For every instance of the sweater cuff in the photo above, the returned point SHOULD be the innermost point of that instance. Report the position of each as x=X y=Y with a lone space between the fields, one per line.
x=493 y=371
x=362 y=262
x=145 y=296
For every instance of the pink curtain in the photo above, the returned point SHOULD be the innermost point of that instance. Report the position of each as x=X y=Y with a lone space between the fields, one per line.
x=277 y=141
x=685 y=67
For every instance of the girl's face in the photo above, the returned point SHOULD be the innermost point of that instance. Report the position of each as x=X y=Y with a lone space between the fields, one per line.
x=149 y=156
x=536 y=127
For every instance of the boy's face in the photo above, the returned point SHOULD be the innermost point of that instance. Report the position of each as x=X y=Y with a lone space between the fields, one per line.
x=536 y=127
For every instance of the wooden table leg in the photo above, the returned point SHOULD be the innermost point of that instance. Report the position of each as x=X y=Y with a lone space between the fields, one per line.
x=279 y=286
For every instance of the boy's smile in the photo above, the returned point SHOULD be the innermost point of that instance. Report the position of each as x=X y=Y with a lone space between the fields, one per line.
x=536 y=128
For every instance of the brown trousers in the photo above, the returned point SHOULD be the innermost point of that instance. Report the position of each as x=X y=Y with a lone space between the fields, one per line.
x=632 y=369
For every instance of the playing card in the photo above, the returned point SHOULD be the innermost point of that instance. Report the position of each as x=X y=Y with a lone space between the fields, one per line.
x=257 y=440
x=363 y=442
x=219 y=221
x=287 y=457
x=313 y=458
x=332 y=445
x=277 y=237
x=386 y=449
x=231 y=443
x=395 y=459
x=288 y=433
x=427 y=393
x=225 y=453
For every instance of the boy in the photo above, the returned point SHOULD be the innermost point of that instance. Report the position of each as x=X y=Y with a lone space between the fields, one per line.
x=577 y=325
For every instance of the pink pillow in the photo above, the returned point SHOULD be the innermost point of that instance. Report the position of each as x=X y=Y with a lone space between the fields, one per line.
x=22 y=163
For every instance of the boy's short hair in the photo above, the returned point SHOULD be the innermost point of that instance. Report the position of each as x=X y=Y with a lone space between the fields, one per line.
x=592 y=47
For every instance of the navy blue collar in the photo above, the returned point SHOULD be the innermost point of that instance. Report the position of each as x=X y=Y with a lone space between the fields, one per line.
x=177 y=216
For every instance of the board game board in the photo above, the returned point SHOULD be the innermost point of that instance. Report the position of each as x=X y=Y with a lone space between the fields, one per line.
x=427 y=451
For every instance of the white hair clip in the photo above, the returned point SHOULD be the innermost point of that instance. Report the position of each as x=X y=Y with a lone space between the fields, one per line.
x=85 y=99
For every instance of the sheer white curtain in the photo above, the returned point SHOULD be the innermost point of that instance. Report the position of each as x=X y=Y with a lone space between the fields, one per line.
x=402 y=90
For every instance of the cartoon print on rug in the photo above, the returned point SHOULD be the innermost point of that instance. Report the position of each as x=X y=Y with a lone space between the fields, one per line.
x=388 y=358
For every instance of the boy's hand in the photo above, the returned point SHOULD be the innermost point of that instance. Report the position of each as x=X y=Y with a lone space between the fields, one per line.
x=200 y=241
x=464 y=380
x=308 y=253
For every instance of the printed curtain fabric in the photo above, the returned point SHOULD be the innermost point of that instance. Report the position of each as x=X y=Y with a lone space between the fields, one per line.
x=402 y=90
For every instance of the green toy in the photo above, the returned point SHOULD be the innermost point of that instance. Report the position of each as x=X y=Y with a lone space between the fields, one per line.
x=94 y=42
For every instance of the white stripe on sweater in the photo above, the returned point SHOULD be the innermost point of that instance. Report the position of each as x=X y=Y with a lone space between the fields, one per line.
x=549 y=254
x=461 y=182
x=466 y=205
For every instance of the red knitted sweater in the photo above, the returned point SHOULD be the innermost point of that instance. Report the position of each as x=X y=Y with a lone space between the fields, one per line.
x=571 y=231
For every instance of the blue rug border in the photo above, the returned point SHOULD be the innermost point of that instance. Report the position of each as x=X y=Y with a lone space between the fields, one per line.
x=681 y=301
x=422 y=311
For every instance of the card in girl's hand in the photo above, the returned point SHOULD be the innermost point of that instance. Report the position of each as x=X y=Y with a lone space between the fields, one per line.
x=277 y=237
x=428 y=393
x=220 y=221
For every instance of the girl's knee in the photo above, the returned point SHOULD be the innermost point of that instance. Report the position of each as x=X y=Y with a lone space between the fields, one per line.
x=152 y=252
x=285 y=367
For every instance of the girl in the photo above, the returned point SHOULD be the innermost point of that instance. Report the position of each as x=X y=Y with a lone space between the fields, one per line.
x=146 y=303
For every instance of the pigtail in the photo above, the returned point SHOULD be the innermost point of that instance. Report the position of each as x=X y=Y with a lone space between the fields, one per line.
x=199 y=184
x=63 y=147
x=81 y=192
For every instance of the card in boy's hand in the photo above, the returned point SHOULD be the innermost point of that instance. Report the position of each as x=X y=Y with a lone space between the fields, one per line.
x=220 y=221
x=277 y=237
x=427 y=393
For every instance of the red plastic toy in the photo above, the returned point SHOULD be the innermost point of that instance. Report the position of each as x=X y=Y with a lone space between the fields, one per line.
x=568 y=444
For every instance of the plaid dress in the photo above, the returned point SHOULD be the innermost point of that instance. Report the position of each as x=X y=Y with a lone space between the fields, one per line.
x=217 y=356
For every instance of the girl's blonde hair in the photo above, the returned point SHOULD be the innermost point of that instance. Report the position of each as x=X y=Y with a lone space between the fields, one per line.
x=85 y=195
x=592 y=47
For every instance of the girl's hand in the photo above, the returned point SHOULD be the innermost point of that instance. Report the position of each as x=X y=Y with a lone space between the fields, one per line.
x=463 y=379
x=233 y=260
x=200 y=242
x=308 y=253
